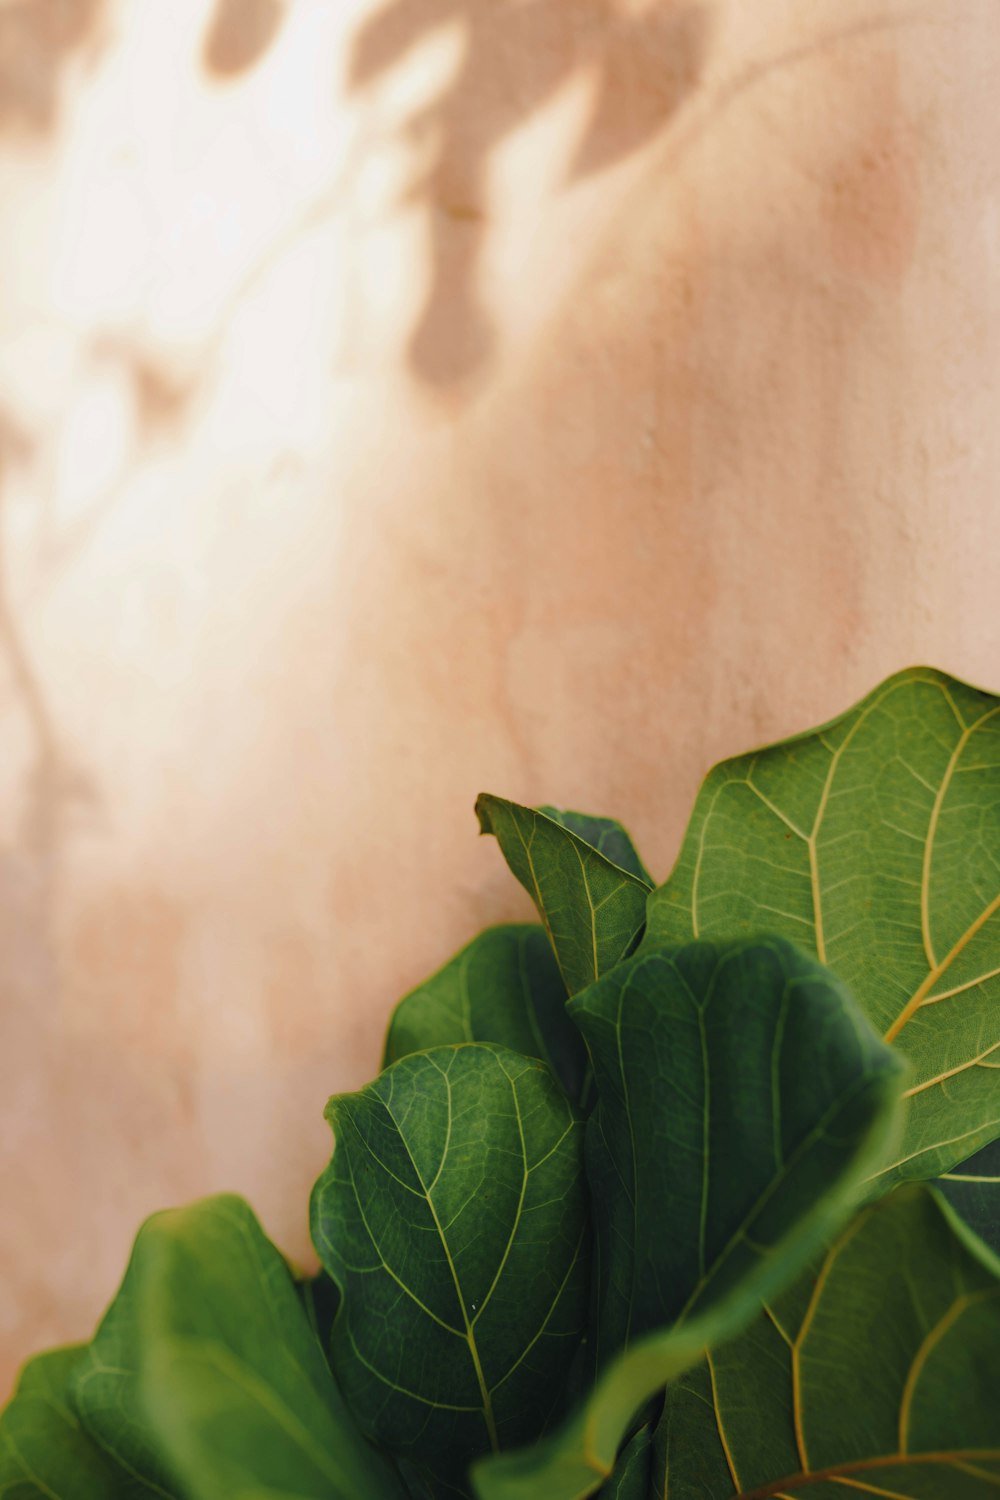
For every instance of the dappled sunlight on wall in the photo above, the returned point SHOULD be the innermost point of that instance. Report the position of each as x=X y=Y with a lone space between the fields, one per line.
x=399 y=399
x=250 y=279
x=631 y=68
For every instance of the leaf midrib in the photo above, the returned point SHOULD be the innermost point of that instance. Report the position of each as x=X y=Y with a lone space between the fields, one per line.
x=470 y=1337
x=930 y=1342
x=936 y=969
x=923 y=990
x=802 y=1478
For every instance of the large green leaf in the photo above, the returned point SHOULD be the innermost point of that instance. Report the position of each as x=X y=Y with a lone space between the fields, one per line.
x=742 y=1097
x=874 y=841
x=453 y=1217
x=592 y=909
x=973 y=1188
x=233 y=1383
x=45 y=1454
x=743 y=1102
x=104 y=1390
x=877 y=1374
x=503 y=987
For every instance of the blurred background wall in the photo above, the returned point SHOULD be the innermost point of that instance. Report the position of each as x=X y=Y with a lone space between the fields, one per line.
x=396 y=400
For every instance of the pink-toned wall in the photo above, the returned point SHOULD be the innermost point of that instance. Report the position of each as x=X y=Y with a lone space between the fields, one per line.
x=399 y=401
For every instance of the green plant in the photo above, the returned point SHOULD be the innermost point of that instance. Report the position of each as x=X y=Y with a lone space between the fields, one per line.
x=637 y=1205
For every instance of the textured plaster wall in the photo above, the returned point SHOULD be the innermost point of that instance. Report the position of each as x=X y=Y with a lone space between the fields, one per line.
x=396 y=402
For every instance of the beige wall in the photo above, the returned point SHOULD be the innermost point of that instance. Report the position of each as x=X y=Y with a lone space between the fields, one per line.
x=546 y=397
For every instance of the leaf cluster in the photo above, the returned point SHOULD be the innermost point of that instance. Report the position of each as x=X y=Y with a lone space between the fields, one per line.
x=640 y=1204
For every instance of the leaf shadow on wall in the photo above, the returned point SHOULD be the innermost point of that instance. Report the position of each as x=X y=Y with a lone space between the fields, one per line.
x=25 y=858
x=59 y=1083
x=240 y=34
x=38 y=41
x=55 y=791
x=657 y=505
x=53 y=788
x=515 y=58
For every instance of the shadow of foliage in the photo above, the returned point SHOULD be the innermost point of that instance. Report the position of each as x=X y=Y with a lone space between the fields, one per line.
x=53 y=787
x=37 y=40
x=515 y=58
x=239 y=35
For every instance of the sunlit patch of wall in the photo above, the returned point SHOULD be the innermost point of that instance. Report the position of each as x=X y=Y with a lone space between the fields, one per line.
x=175 y=328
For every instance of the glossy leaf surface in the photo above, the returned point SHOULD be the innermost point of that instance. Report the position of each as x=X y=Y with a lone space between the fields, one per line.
x=233 y=1382
x=875 y=842
x=45 y=1454
x=453 y=1217
x=592 y=909
x=876 y=1374
x=742 y=1094
x=503 y=987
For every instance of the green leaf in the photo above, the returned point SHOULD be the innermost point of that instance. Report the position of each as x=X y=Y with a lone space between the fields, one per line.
x=45 y=1454
x=453 y=1217
x=592 y=909
x=873 y=841
x=607 y=836
x=504 y=987
x=320 y=1299
x=575 y=1461
x=104 y=1390
x=688 y=1457
x=742 y=1099
x=876 y=1374
x=233 y=1382
x=422 y=1484
x=973 y=1188
x=631 y=1477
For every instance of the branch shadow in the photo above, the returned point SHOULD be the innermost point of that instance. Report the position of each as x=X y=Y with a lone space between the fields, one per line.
x=52 y=787
x=55 y=791
x=515 y=59
x=38 y=41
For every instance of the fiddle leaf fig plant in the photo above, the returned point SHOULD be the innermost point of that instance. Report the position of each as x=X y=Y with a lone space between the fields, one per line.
x=689 y=1191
